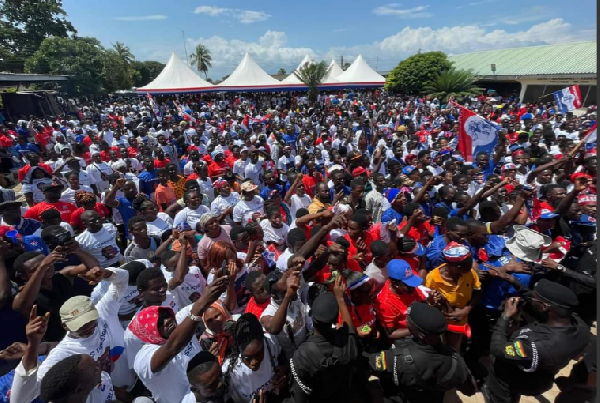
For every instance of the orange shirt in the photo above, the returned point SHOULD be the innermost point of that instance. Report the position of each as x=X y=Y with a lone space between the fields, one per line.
x=164 y=195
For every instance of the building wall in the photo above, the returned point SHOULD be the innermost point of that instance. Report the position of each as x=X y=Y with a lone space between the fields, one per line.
x=533 y=88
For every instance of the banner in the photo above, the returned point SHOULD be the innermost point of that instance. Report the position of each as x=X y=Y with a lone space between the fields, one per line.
x=184 y=114
x=476 y=135
x=568 y=99
x=590 y=142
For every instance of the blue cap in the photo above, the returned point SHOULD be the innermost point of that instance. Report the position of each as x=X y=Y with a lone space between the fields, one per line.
x=407 y=169
x=400 y=270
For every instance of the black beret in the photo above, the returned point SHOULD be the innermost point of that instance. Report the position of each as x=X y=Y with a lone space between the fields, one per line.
x=427 y=318
x=325 y=308
x=555 y=293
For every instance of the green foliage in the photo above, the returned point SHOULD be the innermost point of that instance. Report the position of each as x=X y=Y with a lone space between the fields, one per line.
x=143 y=72
x=452 y=83
x=281 y=71
x=410 y=75
x=202 y=59
x=312 y=75
x=24 y=25
x=123 y=52
x=91 y=69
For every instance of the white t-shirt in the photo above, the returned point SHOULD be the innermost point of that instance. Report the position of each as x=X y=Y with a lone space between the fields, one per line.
x=244 y=382
x=297 y=317
x=193 y=283
x=239 y=168
x=68 y=195
x=272 y=234
x=190 y=216
x=206 y=188
x=297 y=202
x=95 y=171
x=220 y=204
x=162 y=223
x=242 y=212
x=169 y=384
x=283 y=163
x=35 y=188
x=102 y=245
x=106 y=344
x=254 y=172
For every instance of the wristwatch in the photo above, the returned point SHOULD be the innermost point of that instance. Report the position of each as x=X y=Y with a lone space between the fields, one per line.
x=195 y=318
x=561 y=268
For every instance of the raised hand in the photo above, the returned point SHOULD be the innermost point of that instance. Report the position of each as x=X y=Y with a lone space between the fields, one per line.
x=93 y=276
x=339 y=288
x=37 y=326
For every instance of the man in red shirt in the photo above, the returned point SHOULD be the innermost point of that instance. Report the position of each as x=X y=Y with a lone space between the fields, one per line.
x=399 y=291
x=311 y=179
x=52 y=194
x=42 y=137
x=34 y=161
x=417 y=225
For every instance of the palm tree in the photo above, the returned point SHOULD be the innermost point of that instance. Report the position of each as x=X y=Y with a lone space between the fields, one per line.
x=124 y=52
x=312 y=75
x=202 y=59
x=452 y=83
x=281 y=71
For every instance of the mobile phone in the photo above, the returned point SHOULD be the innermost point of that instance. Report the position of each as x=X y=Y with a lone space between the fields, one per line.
x=223 y=271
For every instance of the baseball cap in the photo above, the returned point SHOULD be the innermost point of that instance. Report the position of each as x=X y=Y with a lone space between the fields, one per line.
x=407 y=170
x=508 y=166
x=52 y=186
x=78 y=311
x=548 y=214
x=400 y=270
x=359 y=171
x=10 y=203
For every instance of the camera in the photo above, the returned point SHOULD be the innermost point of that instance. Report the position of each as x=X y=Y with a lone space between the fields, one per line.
x=62 y=239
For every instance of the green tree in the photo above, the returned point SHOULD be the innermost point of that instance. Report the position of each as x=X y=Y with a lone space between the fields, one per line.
x=346 y=65
x=312 y=75
x=452 y=83
x=124 y=52
x=281 y=71
x=410 y=75
x=116 y=74
x=143 y=72
x=202 y=59
x=24 y=24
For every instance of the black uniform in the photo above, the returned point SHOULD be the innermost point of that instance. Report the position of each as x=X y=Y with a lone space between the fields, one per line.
x=526 y=362
x=415 y=373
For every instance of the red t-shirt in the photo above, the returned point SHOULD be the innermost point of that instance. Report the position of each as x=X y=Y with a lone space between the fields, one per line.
x=419 y=233
x=255 y=308
x=132 y=151
x=391 y=308
x=362 y=315
x=104 y=154
x=217 y=168
x=161 y=164
x=64 y=208
x=42 y=138
x=310 y=183
x=23 y=171
x=353 y=249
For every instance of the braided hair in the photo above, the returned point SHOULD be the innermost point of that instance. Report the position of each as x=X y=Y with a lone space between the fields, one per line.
x=82 y=198
x=246 y=330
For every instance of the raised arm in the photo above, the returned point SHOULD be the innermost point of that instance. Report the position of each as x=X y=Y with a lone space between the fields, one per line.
x=508 y=218
x=421 y=195
x=109 y=200
x=565 y=203
x=182 y=264
x=274 y=324
x=184 y=332
x=541 y=168
x=292 y=190
x=501 y=147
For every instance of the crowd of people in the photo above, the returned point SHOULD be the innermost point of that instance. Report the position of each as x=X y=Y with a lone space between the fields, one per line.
x=263 y=248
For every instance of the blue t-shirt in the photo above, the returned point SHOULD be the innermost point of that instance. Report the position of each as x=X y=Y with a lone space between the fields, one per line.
x=434 y=256
x=390 y=214
x=126 y=210
x=332 y=192
x=33 y=243
x=267 y=190
x=148 y=181
x=28 y=226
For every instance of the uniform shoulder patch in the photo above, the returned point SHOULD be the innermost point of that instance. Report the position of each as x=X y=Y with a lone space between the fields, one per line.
x=380 y=361
x=519 y=349
x=509 y=350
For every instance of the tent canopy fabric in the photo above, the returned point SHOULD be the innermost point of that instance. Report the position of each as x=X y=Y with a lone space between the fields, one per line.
x=292 y=79
x=360 y=72
x=333 y=72
x=177 y=77
x=248 y=75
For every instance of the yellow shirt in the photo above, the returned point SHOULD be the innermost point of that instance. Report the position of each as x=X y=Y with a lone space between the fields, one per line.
x=457 y=295
x=316 y=206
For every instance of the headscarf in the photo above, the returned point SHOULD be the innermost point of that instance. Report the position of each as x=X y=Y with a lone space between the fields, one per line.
x=223 y=338
x=145 y=325
x=205 y=219
x=218 y=184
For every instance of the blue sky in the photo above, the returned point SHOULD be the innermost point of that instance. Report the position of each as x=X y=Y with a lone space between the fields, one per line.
x=280 y=33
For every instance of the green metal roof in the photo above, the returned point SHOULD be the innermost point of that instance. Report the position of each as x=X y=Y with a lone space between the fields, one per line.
x=567 y=58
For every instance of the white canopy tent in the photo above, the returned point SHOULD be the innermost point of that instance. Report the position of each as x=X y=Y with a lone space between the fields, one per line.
x=248 y=76
x=176 y=78
x=360 y=73
x=333 y=72
x=292 y=79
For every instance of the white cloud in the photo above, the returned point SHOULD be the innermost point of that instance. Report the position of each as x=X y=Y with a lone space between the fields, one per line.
x=456 y=40
x=243 y=16
x=156 y=17
x=210 y=10
x=341 y=30
x=393 y=9
x=476 y=3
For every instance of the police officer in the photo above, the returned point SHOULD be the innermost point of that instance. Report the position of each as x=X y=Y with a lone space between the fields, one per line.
x=421 y=368
x=526 y=362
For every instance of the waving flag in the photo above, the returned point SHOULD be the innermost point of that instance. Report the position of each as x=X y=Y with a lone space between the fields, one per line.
x=568 y=98
x=590 y=141
x=476 y=135
x=155 y=108
x=184 y=114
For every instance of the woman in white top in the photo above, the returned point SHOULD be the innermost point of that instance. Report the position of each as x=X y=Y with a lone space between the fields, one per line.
x=224 y=203
x=193 y=211
x=158 y=223
x=68 y=195
x=250 y=206
x=255 y=363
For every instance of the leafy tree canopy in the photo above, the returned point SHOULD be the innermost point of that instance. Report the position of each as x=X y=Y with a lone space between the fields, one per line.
x=143 y=72
x=312 y=75
x=411 y=75
x=452 y=83
x=24 y=25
